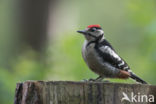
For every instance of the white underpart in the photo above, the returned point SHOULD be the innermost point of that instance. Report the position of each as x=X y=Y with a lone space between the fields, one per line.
x=110 y=51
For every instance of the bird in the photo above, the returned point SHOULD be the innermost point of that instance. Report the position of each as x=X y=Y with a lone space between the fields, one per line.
x=101 y=57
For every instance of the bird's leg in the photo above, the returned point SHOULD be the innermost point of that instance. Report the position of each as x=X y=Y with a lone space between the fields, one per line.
x=92 y=80
x=99 y=78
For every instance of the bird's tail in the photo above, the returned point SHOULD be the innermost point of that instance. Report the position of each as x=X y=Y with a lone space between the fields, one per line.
x=135 y=77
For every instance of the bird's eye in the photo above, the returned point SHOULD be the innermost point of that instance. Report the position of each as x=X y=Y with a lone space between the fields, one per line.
x=93 y=29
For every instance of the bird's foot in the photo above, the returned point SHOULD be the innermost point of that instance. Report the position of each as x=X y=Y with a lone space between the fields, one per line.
x=92 y=80
x=95 y=80
x=98 y=79
x=89 y=80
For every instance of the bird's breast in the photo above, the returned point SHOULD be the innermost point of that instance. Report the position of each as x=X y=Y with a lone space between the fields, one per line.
x=96 y=62
x=91 y=57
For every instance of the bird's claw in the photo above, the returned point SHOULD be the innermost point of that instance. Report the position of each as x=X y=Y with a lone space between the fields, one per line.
x=89 y=80
x=94 y=80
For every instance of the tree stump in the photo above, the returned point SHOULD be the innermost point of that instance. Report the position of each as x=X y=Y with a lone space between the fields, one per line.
x=68 y=92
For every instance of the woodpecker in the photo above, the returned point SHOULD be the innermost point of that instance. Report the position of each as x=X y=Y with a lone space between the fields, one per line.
x=101 y=57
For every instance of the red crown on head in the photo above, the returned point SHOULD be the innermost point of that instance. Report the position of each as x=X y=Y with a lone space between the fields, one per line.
x=90 y=26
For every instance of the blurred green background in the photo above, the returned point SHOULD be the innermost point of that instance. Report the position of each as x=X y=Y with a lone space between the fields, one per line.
x=38 y=39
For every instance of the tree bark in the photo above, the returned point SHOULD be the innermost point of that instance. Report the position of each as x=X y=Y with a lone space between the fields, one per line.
x=33 y=16
x=68 y=92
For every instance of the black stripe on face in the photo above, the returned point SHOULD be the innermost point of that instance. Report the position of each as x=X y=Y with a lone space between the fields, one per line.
x=94 y=29
x=91 y=35
x=96 y=40
x=97 y=27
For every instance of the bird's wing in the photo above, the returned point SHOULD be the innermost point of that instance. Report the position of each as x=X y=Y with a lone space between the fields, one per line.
x=109 y=55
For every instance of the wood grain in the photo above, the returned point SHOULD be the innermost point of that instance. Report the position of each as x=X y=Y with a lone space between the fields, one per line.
x=69 y=92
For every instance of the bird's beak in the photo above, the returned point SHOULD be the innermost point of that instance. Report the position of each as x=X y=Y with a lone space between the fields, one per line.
x=82 y=31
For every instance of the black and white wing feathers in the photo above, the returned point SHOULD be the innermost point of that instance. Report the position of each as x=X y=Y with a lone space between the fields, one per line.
x=109 y=55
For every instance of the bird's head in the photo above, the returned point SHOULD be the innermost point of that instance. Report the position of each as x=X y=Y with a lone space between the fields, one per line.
x=92 y=32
